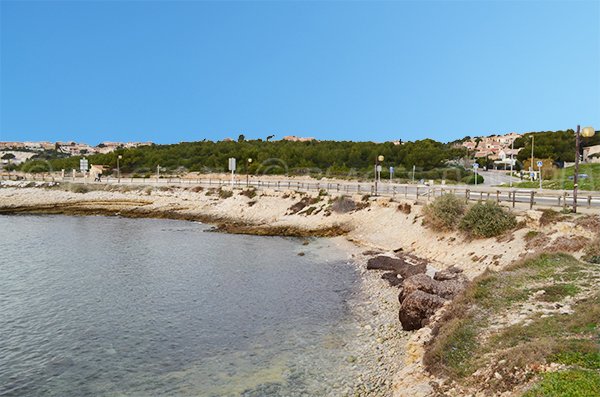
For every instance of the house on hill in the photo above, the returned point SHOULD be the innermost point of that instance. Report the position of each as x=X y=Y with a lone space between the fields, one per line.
x=591 y=154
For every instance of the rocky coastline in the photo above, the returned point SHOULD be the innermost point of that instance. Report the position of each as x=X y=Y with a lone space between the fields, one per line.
x=410 y=273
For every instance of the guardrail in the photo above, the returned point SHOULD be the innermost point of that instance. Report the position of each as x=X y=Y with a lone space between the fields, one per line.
x=510 y=196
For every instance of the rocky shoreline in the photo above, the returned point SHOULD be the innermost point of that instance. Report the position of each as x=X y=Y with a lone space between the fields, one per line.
x=408 y=272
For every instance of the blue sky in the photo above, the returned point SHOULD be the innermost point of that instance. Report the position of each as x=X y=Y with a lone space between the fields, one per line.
x=183 y=71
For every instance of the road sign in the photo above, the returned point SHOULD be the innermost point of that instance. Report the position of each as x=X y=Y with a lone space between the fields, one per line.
x=540 y=163
x=83 y=165
x=232 y=164
x=378 y=168
x=391 y=170
x=475 y=165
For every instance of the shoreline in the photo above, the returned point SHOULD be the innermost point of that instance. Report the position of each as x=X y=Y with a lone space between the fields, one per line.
x=374 y=226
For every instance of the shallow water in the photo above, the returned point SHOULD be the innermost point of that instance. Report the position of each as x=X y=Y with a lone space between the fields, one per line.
x=137 y=307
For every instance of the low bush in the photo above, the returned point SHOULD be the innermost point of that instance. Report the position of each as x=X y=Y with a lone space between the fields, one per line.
x=76 y=188
x=444 y=213
x=343 y=204
x=225 y=194
x=470 y=179
x=592 y=252
x=487 y=219
x=250 y=193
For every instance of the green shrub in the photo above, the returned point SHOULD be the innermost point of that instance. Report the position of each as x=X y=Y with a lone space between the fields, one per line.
x=470 y=179
x=445 y=212
x=487 y=219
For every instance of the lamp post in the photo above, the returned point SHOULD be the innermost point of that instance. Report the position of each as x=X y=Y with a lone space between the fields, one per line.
x=586 y=132
x=531 y=165
x=378 y=161
x=119 y=157
x=248 y=166
x=512 y=160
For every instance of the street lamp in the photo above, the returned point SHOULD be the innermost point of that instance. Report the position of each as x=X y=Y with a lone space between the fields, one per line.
x=248 y=166
x=586 y=132
x=378 y=161
x=531 y=174
x=119 y=157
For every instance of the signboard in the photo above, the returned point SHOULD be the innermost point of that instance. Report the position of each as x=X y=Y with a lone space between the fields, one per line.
x=475 y=165
x=391 y=170
x=378 y=168
x=83 y=165
x=232 y=164
x=539 y=163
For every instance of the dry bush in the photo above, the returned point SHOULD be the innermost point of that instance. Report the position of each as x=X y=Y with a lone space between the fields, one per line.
x=549 y=216
x=568 y=244
x=225 y=194
x=196 y=189
x=343 y=204
x=444 y=213
x=405 y=208
x=589 y=222
x=592 y=252
x=250 y=193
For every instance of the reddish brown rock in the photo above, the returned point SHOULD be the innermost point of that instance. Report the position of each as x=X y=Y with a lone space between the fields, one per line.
x=417 y=308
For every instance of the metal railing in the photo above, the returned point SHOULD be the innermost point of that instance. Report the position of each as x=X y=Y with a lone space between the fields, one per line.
x=510 y=196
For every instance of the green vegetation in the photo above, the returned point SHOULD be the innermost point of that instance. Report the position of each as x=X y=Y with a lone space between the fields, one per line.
x=352 y=159
x=457 y=349
x=556 y=145
x=487 y=219
x=563 y=179
x=573 y=383
x=445 y=212
x=470 y=179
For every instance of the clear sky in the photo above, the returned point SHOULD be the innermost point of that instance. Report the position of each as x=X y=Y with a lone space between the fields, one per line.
x=181 y=71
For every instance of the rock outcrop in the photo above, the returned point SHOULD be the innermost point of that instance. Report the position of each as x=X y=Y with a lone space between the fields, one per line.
x=417 y=308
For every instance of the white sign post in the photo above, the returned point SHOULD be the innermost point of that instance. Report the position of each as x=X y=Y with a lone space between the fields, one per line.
x=475 y=168
x=391 y=173
x=232 y=168
x=83 y=167
x=540 y=164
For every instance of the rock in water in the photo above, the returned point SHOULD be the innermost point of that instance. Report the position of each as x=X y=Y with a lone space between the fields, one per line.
x=417 y=308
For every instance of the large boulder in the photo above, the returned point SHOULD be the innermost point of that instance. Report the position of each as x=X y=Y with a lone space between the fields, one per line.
x=417 y=308
x=398 y=265
x=446 y=289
